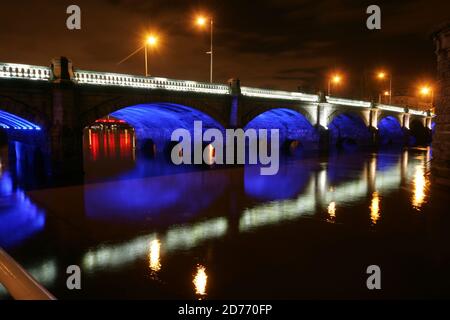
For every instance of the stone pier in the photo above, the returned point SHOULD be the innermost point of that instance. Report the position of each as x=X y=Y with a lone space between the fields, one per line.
x=441 y=143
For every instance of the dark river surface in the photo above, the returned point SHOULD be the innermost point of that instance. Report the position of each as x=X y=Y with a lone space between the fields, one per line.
x=142 y=228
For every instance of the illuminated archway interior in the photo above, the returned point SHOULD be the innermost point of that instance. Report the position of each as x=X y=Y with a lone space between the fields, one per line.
x=157 y=121
x=348 y=129
x=13 y=122
x=390 y=131
x=292 y=126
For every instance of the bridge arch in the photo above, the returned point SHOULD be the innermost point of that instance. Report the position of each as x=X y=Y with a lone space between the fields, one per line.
x=92 y=110
x=390 y=131
x=154 y=123
x=348 y=129
x=26 y=116
x=257 y=108
x=419 y=133
x=295 y=128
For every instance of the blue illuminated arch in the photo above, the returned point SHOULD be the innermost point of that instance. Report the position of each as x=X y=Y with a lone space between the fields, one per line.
x=158 y=120
x=348 y=130
x=390 y=131
x=292 y=125
x=13 y=122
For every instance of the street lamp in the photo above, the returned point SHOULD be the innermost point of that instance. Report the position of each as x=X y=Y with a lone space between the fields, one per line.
x=426 y=91
x=385 y=93
x=335 y=79
x=150 y=42
x=382 y=76
x=202 y=22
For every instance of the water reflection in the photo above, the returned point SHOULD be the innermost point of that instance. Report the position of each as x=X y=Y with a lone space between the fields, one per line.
x=139 y=200
x=20 y=218
x=420 y=185
x=167 y=211
x=200 y=281
x=345 y=185
x=154 y=256
x=183 y=237
x=375 y=208
x=332 y=211
x=110 y=143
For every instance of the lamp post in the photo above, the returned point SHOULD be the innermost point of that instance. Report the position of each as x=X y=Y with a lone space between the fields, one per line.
x=202 y=22
x=150 y=42
x=382 y=76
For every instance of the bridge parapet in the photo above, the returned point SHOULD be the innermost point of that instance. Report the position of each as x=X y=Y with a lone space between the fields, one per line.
x=24 y=71
x=277 y=94
x=125 y=80
x=348 y=102
x=392 y=108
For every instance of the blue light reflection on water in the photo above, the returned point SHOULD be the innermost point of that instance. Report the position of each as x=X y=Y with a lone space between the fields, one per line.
x=138 y=199
x=20 y=218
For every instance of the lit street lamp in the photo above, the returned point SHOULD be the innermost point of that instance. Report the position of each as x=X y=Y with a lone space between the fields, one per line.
x=151 y=42
x=427 y=91
x=202 y=22
x=335 y=79
x=385 y=93
x=382 y=76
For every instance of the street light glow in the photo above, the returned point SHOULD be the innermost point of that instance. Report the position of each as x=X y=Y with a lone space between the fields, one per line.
x=336 y=79
x=381 y=75
x=425 y=90
x=152 y=40
x=201 y=21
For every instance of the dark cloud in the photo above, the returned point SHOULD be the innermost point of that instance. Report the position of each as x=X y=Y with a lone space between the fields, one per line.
x=276 y=43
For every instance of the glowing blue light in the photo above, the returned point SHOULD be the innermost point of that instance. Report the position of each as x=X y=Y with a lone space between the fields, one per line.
x=349 y=130
x=173 y=197
x=291 y=125
x=10 y=121
x=157 y=121
x=390 y=131
x=286 y=184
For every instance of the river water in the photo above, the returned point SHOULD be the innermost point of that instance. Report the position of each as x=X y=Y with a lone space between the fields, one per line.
x=141 y=228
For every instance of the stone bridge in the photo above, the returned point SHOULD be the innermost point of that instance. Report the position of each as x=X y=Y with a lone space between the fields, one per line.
x=48 y=108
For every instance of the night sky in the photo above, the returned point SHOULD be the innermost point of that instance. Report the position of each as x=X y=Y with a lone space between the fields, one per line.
x=282 y=44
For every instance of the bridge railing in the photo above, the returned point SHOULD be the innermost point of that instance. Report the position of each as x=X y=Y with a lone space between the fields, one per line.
x=392 y=108
x=23 y=71
x=276 y=94
x=419 y=112
x=125 y=80
x=348 y=102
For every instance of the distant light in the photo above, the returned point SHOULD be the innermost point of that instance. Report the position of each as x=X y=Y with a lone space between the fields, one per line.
x=387 y=93
x=201 y=21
